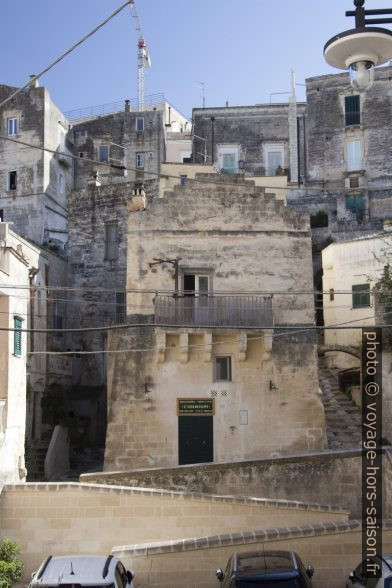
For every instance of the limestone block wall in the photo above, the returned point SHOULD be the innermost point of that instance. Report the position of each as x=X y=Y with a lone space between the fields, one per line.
x=334 y=550
x=68 y=518
x=245 y=241
x=333 y=477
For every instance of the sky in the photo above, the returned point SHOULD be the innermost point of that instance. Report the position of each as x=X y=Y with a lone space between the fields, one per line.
x=242 y=51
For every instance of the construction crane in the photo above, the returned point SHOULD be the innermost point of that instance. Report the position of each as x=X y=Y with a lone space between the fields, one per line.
x=143 y=58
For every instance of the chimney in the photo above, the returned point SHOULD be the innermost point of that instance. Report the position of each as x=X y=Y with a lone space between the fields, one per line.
x=127 y=106
x=34 y=82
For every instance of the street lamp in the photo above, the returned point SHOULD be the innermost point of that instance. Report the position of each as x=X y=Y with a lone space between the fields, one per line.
x=359 y=50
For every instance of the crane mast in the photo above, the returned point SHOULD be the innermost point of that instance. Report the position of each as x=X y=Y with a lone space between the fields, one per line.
x=143 y=58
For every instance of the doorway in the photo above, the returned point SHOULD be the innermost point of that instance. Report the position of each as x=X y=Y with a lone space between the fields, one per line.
x=195 y=439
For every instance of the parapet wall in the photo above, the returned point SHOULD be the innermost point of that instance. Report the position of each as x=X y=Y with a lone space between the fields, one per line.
x=332 y=477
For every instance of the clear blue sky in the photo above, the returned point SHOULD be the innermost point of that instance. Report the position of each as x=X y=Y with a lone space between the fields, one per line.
x=242 y=50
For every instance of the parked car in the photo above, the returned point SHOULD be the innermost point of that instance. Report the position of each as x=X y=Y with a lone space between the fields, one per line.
x=356 y=578
x=78 y=571
x=277 y=569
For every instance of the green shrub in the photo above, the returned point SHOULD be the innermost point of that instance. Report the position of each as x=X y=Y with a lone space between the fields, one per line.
x=11 y=568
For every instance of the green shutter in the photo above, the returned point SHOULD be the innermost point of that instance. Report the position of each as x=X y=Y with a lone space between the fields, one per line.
x=361 y=295
x=355 y=203
x=17 y=336
x=352 y=110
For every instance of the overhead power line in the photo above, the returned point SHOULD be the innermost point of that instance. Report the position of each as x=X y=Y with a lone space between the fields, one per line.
x=67 y=52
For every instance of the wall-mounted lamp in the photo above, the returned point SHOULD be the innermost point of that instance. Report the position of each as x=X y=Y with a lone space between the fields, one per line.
x=359 y=50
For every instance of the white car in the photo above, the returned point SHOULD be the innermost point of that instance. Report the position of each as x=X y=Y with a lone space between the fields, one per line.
x=357 y=580
x=82 y=571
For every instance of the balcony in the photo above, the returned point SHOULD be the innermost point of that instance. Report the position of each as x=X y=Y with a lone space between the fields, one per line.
x=214 y=311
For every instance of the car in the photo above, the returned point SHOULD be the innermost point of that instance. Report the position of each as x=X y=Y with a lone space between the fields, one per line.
x=277 y=569
x=383 y=562
x=79 y=571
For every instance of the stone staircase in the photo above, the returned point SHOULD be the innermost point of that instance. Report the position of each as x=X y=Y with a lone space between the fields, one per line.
x=343 y=418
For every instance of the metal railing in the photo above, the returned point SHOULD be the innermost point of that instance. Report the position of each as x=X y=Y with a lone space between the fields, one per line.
x=80 y=114
x=210 y=311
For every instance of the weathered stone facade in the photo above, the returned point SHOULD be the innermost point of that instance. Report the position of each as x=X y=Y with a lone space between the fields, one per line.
x=35 y=201
x=125 y=146
x=248 y=132
x=222 y=233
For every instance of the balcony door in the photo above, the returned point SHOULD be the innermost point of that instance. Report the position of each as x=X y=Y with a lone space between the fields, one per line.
x=196 y=288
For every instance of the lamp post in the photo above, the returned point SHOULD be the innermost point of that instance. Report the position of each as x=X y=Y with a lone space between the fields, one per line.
x=359 y=50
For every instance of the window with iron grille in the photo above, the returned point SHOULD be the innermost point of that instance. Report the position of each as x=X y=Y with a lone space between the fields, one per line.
x=352 y=110
x=120 y=307
x=18 y=336
x=361 y=295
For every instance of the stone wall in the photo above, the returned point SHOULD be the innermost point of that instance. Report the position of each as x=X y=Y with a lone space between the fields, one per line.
x=222 y=231
x=333 y=477
x=334 y=550
x=119 y=133
x=43 y=179
x=252 y=128
x=61 y=519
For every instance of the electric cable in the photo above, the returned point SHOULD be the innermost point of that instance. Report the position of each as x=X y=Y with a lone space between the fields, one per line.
x=65 y=53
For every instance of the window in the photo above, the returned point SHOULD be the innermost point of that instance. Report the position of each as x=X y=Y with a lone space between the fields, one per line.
x=222 y=369
x=273 y=158
x=120 y=307
x=361 y=295
x=196 y=285
x=229 y=163
x=355 y=204
x=354 y=154
x=274 y=161
x=111 y=241
x=11 y=181
x=83 y=154
x=1 y=215
x=103 y=153
x=183 y=178
x=18 y=336
x=352 y=110
x=228 y=156
x=139 y=123
x=331 y=294
x=12 y=127
x=140 y=160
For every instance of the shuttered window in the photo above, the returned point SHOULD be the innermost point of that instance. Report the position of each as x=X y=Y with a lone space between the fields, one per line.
x=361 y=295
x=355 y=204
x=352 y=110
x=18 y=336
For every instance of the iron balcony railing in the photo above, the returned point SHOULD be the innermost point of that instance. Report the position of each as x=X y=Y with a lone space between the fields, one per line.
x=211 y=311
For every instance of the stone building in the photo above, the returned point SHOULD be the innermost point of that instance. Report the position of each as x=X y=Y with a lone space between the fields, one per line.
x=128 y=145
x=35 y=183
x=259 y=140
x=19 y=263
x=203 y=371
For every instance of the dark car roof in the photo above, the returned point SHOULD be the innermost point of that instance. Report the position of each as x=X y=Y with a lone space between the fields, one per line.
x=265 y=563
